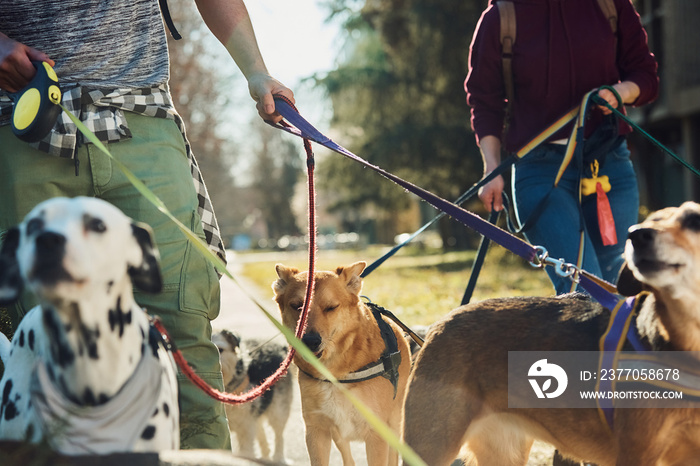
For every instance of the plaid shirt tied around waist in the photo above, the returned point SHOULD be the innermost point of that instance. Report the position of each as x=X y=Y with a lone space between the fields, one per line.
x=102 y=111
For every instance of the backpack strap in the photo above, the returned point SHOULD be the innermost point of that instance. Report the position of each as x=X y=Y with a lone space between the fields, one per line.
x=506 y=11
x=610 y=12
x=168 y=20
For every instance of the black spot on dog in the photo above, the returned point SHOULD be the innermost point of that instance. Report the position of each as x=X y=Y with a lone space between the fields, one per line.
x=267 y=359
x=154 y=340
x=21 y=338
x=118 y=319
x=148 y=433
x=60 y=350
x=8 y=408
x=102 y=399
x=30 y=339
x=90 y=338
x=155 y=413
x=110 y=284
x=166 y=409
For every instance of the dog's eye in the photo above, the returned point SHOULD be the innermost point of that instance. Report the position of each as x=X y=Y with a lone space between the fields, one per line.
x=34 y=225
x=297 y=306
x=330 y=308
x=691 y=222
x=95 y=224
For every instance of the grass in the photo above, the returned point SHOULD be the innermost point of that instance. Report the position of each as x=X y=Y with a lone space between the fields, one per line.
x=419 y=286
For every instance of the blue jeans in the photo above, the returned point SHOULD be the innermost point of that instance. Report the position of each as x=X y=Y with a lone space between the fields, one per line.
x=558 y=227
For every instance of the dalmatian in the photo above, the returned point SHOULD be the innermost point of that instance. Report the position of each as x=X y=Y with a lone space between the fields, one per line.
x=85 y=369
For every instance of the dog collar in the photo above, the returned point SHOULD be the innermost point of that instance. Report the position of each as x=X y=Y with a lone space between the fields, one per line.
x=386 y=366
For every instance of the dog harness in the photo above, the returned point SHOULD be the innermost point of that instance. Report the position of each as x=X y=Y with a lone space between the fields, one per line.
x=113 y=426
x=386 y=366
x=622 y=328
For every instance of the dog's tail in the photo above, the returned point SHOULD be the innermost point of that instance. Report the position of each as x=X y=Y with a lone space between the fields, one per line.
x=5 y=346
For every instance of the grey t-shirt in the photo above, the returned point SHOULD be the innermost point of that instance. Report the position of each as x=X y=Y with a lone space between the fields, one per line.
x=95 y=43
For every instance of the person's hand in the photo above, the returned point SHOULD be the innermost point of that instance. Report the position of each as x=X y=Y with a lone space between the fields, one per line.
x=628 y=91
x=16 y=69
x=262 y=88
x=491 y=194
x=610 y=98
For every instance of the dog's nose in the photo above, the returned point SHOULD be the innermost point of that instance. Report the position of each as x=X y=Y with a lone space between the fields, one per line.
x=48 y=242
x=312 y=341
x=642 y=237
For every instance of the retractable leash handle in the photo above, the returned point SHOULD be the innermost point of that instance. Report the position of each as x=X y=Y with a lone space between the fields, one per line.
x=37 y=106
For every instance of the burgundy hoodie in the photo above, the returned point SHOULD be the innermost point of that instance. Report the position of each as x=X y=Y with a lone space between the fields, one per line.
x=563 y=49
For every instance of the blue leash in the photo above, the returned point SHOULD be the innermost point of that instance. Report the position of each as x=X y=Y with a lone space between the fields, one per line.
x=468 y=194
x=303 y=129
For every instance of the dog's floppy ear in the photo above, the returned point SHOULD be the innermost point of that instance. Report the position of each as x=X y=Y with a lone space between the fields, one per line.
x=231 y=338
x=627 y=283
x=285 y=274
x=146 y=275
x=11 y=283
x=351 y=276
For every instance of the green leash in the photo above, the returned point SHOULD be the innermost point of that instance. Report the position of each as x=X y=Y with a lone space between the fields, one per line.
x=599 y=101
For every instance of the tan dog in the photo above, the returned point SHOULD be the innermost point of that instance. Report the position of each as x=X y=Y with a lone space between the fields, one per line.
x=458 y=392
x=344 y=334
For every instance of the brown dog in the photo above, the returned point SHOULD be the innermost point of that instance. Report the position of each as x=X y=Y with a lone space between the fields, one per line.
x=357 y=349
x=458 y=392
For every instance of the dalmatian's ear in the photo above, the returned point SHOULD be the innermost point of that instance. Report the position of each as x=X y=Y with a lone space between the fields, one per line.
x=11 y=283
x=146 y=275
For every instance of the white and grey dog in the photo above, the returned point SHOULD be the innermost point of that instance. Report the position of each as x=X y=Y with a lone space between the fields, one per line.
x=245 y=364
x=85 y=370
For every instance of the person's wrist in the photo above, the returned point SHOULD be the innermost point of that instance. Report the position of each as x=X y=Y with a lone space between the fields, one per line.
x=628 y=91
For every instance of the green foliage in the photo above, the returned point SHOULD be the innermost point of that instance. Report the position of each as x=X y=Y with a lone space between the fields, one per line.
x=276 y=171
x=399 y=100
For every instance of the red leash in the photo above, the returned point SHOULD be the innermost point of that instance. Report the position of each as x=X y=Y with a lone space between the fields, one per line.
x=231 y=398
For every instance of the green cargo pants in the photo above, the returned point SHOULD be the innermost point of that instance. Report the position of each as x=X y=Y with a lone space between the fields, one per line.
x=190 y=298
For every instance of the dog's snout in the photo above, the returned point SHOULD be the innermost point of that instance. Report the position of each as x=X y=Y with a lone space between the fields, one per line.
x=50 y=242
x=312 y=340
x=642 y=237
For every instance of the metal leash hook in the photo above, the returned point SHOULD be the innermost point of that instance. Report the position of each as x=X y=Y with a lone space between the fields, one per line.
x=541 y=256
x=561 y=267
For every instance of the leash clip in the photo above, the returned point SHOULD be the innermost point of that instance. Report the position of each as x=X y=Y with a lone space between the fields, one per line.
x=561 y=267
x=541 y=256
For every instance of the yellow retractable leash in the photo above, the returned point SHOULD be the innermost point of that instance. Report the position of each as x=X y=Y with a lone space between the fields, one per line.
x=37 y=105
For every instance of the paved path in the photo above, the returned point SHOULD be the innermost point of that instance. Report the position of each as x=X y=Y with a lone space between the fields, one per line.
x=239 y=313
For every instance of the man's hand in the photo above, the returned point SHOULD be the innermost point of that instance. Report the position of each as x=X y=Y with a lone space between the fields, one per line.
x=262 y=88
x=16 y=69
x=228 y=20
